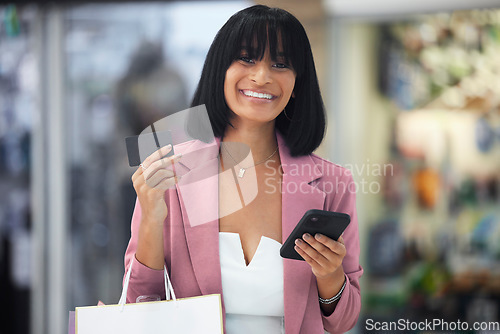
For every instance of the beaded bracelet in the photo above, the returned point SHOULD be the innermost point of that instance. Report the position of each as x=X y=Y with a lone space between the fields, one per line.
x=334 y=298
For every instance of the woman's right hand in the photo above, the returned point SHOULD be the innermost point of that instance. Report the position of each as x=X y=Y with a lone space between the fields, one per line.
x=151 y=180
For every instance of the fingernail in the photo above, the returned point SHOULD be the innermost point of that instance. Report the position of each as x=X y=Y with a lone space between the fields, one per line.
x=306 y=236
x=298 y=241
x=319 y=236
x=164 y=149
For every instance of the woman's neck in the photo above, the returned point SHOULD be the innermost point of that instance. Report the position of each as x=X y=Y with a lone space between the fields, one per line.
x=261 y=139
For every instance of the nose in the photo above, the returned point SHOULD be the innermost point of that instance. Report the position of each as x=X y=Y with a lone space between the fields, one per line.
x=260 y=73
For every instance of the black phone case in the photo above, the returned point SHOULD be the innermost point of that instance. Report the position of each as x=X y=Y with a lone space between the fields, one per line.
x=331 y=224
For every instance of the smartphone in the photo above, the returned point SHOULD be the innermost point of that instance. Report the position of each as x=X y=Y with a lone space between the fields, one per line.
x=142 y=146
x=331 y=224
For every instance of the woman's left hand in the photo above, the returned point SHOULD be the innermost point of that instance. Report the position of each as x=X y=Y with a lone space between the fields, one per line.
x=323 y=254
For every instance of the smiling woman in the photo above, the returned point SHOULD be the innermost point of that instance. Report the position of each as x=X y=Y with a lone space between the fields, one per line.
x=279 y=38
x=260 y=88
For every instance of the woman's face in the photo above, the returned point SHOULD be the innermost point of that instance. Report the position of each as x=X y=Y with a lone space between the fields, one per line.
x=258 y=90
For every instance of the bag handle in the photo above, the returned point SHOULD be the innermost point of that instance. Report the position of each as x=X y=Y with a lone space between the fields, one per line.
x=169 y=290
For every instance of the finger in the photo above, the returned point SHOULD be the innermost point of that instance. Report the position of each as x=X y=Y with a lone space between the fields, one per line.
x=164 y=163
x=157 y=155
x=315 y=266
x=158 y=177
x=306 y=257
x=139 y=171
x=168 y=183
x=312 y=253
x=336 y=247
x=318 y=246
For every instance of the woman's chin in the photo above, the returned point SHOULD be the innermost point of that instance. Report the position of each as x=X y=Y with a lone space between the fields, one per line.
x=255 y=119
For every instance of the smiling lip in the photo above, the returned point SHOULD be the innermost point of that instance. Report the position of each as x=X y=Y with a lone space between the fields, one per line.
x=257 y=95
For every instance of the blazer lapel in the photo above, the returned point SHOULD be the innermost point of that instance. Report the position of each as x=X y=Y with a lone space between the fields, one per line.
x=298 y=197
x=200 y=211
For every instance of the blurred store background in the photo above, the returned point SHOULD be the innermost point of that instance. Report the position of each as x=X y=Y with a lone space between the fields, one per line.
x=413 y=98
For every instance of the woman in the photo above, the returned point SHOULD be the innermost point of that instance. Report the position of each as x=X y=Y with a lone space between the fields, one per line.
x=260 y=88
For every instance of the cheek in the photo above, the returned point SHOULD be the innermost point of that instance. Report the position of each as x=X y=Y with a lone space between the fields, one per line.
x=229 y=82
x=289 y=80
x=227 y=91
x=289 y=85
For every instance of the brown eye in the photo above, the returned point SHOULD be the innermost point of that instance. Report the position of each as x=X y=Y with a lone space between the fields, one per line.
x=281 y=65
x=245 y=59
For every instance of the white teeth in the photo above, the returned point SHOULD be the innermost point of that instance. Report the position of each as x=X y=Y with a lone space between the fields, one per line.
x=258 y=95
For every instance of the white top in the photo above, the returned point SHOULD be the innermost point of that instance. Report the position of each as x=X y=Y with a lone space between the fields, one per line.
x=253 y=294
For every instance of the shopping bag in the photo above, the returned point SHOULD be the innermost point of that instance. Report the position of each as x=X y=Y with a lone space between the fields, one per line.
x=202 y=314
x=71 y=319
x=71 y=322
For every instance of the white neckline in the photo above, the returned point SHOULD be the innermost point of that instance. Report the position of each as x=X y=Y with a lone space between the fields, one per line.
x=263 y=237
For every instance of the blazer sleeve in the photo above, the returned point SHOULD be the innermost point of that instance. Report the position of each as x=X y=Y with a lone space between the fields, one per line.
x=145 y=284
x=347 y=310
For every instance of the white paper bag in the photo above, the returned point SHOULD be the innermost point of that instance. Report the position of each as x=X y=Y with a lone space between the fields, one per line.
x=201 y=314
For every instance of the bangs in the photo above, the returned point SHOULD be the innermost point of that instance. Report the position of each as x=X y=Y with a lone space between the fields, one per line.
x=277 y=31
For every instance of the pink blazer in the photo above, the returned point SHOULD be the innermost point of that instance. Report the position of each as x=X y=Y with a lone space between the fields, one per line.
x=191 y=236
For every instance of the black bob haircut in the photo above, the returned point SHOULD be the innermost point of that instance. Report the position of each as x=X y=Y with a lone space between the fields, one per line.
x=261 y=26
